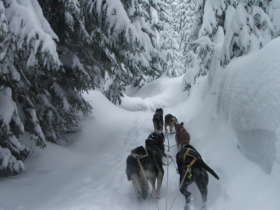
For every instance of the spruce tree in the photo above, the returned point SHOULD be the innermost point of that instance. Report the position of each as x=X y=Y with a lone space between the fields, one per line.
x=170 y=41
x=53 y=51
x=229 y=29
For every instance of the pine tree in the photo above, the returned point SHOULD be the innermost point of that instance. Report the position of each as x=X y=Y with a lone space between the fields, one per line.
x=229 y=29
x=53 y=51
x=42 y=104
x=186 y=21
x=120 y=37
x=12 y=152
x=170 y=41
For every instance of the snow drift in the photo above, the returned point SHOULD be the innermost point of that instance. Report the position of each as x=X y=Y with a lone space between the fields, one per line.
x=248 y=98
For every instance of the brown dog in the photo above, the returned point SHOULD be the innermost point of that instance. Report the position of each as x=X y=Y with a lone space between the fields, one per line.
x=158 y=120
x=169 y=121
x=182 y=136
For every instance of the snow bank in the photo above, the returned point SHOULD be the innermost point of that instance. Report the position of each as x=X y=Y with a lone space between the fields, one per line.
x=249 y=99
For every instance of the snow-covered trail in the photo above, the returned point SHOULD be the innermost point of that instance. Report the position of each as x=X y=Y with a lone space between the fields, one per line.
x=90 y=174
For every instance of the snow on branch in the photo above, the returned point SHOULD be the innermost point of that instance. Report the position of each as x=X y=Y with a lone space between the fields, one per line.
x=29 y=27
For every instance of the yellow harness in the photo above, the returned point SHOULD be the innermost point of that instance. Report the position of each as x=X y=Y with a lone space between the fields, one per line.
x=189 y=166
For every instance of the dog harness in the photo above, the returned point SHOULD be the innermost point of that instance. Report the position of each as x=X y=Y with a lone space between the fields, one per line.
x=186 y=154
x=137 y=156
x=139 y=153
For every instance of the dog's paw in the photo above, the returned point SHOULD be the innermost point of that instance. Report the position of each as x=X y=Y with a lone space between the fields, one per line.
x=204 y=207
x=155 y=195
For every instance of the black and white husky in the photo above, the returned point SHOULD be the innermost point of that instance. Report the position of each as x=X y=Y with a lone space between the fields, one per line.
x=144 y=166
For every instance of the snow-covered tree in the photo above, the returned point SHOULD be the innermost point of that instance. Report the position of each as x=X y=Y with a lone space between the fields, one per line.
x=275 y=15
x=129 y=33
x=52 y=51
x=170 y=40
x=114 y=41
x=12 y=152
x=181 y=28
x=230 y=29
x=36 y=99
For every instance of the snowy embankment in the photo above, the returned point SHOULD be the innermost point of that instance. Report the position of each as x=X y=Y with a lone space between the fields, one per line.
x=90 y=174
x=249 y=99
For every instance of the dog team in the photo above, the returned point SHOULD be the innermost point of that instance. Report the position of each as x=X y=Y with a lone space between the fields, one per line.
x=144 y=165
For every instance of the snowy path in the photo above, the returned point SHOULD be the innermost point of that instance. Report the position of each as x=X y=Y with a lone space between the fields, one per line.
x=91 y=173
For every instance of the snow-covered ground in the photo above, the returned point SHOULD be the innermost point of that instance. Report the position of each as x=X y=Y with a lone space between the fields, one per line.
x=90 y=173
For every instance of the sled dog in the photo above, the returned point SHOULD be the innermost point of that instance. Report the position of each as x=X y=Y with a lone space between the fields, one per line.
x=144 y=166
x=192 y=168
x=158 y=120
x=182 y=137
x=169 y=122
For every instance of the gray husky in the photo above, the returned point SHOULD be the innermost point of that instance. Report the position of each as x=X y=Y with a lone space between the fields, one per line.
x=144 y=166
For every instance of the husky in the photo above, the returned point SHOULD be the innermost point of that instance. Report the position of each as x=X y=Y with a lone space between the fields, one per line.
x=182 y=137
x=158 y=120
x=192 y=168
x=158 y=140
x=169 y=121
x=144 y=166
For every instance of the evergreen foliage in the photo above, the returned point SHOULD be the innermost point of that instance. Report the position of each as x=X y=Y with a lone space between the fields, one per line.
x=181 y=29
x=170 y=41
x=228 y=29
x=53 y=51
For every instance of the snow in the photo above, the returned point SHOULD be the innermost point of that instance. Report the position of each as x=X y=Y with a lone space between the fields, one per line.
x=7 y=160
x=118 y=21
x=235 y=127
x=7 y=105
x=249 y=100
x=3 y=22
x=43 y=22
x=156 y=94
x=28 y=24
x=90 y=173
x=276 y=14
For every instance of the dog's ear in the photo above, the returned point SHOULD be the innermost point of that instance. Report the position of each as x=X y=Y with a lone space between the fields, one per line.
x=181 y=123
x=159 y=110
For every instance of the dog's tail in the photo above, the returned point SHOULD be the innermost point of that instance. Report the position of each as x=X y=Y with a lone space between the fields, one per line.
x=210 y=170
